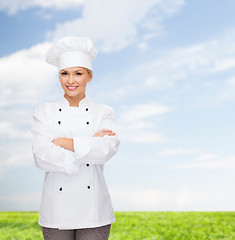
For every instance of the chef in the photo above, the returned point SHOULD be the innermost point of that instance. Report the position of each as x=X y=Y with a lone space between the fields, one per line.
x=72 y=139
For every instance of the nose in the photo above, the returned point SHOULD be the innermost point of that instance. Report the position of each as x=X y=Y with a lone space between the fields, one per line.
x=70 y=80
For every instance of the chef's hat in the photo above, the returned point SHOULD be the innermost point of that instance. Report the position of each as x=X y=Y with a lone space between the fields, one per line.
x=72 y=52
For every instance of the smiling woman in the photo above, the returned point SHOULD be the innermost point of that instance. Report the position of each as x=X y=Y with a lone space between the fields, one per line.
x=72 y=140
x=74 y=81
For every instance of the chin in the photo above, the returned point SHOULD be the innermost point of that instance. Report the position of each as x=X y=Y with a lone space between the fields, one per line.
x=72 y=94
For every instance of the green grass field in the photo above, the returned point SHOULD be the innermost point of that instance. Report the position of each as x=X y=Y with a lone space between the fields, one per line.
x=136 y=225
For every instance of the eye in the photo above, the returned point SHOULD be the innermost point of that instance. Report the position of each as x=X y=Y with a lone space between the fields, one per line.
x=64 y=73
x=78 y=73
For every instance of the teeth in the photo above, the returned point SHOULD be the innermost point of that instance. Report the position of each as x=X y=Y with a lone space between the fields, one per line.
x=72 y=88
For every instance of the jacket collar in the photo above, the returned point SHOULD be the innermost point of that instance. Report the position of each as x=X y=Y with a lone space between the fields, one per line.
x=83 y=103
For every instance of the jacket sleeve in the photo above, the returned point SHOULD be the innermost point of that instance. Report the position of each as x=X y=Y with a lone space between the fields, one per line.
x=48 y=156
x=98 y=150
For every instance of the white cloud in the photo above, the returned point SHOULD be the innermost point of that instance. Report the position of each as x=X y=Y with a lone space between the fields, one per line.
x=20 y=202
x=178 y=200
x=142 y=111
x=27 y=76
x=196 y=72
x=14 y=6
x=114 y=25
x=169 y=152
x=143 y=136
x=182 y=64
x=14 y=154
x=12 y=130
x=142 y=46
x=227 y=91
x=224 y=64
x=26 y=80
x=207 y=157
x=137 y=123
x=207 y=161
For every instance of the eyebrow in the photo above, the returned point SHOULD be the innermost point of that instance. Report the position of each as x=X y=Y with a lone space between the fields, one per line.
x=79 y=70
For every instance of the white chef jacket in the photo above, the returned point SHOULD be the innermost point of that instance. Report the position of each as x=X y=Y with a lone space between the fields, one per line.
x=74 y=194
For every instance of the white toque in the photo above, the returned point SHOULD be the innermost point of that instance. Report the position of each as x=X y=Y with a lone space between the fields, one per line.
x=72 y=52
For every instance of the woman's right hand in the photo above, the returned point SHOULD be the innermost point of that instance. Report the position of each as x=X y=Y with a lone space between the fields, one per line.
x=103 y=132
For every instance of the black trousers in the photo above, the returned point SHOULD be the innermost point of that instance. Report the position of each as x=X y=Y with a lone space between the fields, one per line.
x=98 y=233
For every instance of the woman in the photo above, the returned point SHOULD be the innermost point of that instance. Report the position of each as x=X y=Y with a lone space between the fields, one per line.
x=72 y=140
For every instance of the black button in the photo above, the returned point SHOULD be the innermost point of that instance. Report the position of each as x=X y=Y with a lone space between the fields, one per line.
x=88 y=187
x=59 y=122
x=87 y=165
x=87 y=122
x=60 y=109
x=60 y=189
x=86 y=109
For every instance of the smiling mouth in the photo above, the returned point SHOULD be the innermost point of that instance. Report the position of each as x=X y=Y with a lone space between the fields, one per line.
x=72 y=88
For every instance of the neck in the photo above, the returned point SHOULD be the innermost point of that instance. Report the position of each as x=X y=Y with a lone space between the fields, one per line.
x=74 y=101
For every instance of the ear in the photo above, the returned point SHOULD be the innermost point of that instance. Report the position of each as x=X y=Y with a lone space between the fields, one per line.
x=90 y=78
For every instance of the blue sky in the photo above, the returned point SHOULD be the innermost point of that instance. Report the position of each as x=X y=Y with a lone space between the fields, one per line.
x=166 y=67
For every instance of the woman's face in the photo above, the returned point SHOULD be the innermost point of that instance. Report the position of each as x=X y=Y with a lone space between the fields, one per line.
x=74 y=80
